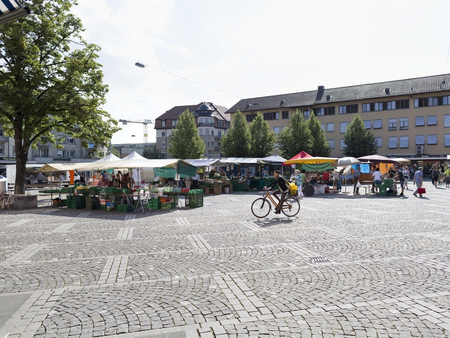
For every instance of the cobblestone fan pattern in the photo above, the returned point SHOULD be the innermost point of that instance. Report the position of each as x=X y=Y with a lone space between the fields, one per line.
x=346 y=266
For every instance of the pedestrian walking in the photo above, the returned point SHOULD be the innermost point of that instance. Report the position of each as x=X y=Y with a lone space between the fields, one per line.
x=418 y=180
x=435 y=175
x=447 y=181
x=401 y=178
x=406 y=175
x=356 y=183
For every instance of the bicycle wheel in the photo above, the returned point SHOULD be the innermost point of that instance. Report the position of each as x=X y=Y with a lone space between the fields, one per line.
x=261 y=207
x=12 y=203
x=291 y=206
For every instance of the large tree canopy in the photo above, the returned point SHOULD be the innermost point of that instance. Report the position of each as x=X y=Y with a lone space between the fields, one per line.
x=295 y=137
x=50 y=80
x=359 y=141
x=320 y=146
x=185 y=141
x=237 y=141
x=262 y=138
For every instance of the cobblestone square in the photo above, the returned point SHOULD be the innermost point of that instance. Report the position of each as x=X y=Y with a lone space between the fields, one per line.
x=346 y=266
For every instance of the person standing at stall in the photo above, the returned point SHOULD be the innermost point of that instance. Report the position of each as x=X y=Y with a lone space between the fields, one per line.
x=283 y=189
x=248 y=176
x=297 y=177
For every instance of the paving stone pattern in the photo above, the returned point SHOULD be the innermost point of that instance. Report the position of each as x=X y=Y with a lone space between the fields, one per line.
x=346 y=266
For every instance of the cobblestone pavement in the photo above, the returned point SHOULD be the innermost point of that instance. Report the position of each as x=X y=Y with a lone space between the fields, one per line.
x=347 y=266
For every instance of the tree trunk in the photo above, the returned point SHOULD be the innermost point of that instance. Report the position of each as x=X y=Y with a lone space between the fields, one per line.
x=21 y=164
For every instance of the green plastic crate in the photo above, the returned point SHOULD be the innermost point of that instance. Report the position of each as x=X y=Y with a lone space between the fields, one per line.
x=388 y=183
x=67 y=190
x=71 y=204
x=167 y=205
x=154 y=204
x=94 y=190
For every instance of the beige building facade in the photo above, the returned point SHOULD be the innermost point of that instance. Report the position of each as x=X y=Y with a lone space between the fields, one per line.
x=409 y=118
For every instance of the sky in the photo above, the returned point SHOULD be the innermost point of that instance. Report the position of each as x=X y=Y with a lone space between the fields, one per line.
x=221 y=52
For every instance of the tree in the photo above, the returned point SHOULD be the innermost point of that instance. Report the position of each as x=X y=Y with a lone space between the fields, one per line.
x=359 y=141
x=115 y=152
x=185 y=141
x=295 y=137
x=152 y=152
x=262 y=138
x=50 y=81
x=320 y=146
x=237 y=141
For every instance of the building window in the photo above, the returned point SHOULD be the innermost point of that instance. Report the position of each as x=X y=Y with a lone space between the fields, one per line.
x=368 y=124
x=319 y=111
x=348 y=109
x=201 y=131
x=220 y=123
x=272 y=116
x=446 y=100
x=323 y=126
x=392 y=142
x=366 y=107
x=403 y=123
x=330 y=127
x=331 y=144
x=174 y=123
x=2 y=150
x=432 y=101
x=402 y=104
x=61 y=153
x=285 y=114
x=446 y=121
x=163 y=144
x=343 y=127
x=343 y=146
x=377 y=124
x=404 y=141
x=420 y=121
x=392 y=124
x=432 y=139
x=71 y=153
x=379 y=141
x=249 y=117
x=163 y=123
x=420 y=139
x=70 y=140
x=306 y=114
x=431 y=120
x=447 y=140
x=378 y=106
x=325 y=111
x=391 y=105
x=276 y=130
x=43 y=152
x=1 y=132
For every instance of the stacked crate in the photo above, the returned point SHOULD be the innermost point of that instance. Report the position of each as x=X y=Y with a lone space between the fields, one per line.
x=154 y=204
x=195 y=198
x=125 y=208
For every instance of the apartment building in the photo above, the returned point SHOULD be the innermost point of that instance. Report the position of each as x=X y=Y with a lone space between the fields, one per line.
x=71 y=151
x=211 y=120
x=409 y=118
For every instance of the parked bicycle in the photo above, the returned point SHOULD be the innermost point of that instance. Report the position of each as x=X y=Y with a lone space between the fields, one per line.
x=262 y=206
x=8 y=201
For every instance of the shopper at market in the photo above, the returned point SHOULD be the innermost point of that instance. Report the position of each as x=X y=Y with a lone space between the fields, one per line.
x=283 y=189
x=356 y=175
x=377 y=177
x=297 y=178
x=401 y=178
x=124 y=182
x=418 y=181
x=248 y=176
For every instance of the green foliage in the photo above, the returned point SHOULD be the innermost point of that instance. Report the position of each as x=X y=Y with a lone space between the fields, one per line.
x=152 y=152
x=320 y=145
x=262 y=138
x=359 y=141
x=50 y=80
x=115 y=152
x=185 y=141
x=295 y=137
x=237 y=142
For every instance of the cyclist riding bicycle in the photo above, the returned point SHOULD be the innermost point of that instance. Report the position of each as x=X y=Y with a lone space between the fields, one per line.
x=283 y=188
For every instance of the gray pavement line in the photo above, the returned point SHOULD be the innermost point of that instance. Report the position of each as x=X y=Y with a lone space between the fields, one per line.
x=114 y=270
x=21 y=222
x=125 y=234
x=28 y=318
x=129 y=218
x=241 y=298
x=440 y=237
x=225 y=212
x=84 y=214
x=338 y=234
x=23 y=255
x=63 y=227
x=191 y=331
x=199 y=243
x=182 y=221
x=251 y=226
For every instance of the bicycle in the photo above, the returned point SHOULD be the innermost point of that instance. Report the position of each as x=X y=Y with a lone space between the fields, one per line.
x=9 y=201
x=261 y=206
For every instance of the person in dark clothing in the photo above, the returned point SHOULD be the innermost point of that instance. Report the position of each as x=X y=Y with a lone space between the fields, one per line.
x=283 y=189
